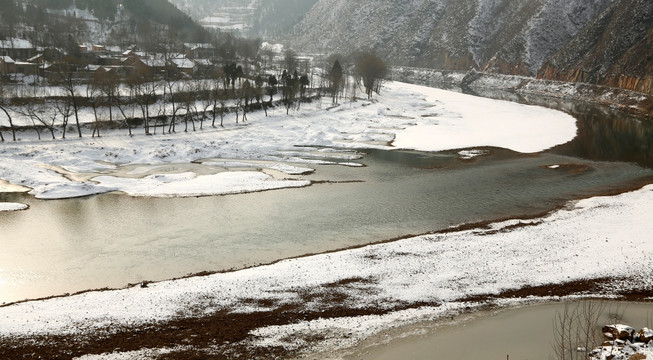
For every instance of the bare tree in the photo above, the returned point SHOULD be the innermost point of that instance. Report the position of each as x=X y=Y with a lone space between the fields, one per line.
x=206 y=97
x=65 y=107
x=188 y=97
x=108 y=82
x=3 y=106
x=246 y=92
x=172 y=78
x=65 y=72
x=132 y=84
x=217 y=96
x=94 y=98
x=371 y=69
x=290 y=60
x=143 y=82
x=336 y=80
x=258 y=93
x=43 y=113
x=25 y=107
x=290 y=86
x=577 y=330
x=267 y=56
x=271 y=90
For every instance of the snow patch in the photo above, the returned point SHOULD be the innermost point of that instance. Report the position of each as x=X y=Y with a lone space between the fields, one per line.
x=7 y=206
x=469 y=121
x=190 y=184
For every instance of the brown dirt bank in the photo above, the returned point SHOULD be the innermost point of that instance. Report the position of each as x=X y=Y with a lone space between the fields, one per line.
x=225 y=335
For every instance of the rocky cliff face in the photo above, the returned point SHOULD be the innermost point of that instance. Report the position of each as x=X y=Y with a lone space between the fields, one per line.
x=615 y=49
x=601 y=41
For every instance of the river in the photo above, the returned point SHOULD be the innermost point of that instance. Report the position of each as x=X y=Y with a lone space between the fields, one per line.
x=64 y=246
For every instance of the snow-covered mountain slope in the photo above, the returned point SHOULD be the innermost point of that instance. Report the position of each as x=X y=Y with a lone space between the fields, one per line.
x=253 y=18
x=504 y=36
x=449 y=33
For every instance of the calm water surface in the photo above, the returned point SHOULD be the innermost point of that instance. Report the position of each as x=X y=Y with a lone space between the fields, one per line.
x=521 y=333
x=111 y=240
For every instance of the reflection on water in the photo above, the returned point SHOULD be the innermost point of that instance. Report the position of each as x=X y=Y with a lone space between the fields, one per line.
x=111 y=240
x=611 y=138
x=522 y=333
x=604 y=133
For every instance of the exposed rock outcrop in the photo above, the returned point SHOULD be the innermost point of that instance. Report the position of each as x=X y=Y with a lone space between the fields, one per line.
x=623 y=343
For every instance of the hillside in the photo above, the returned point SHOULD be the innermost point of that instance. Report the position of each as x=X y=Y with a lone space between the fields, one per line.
x=615 y=49
x=253 y=18
x=64 y=23
x=589 y=40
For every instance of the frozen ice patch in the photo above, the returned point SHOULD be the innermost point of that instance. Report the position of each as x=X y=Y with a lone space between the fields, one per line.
x=190 y=184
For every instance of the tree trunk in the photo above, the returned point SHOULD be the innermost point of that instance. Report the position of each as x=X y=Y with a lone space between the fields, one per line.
x=95 y=127
x=79 y=127
x=11 y=124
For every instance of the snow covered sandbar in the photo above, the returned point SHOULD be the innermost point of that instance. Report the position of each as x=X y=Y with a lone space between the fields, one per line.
x=5 y=206
x=414 y=117
x=466 y=121
x=190 y=184
x=444 y=269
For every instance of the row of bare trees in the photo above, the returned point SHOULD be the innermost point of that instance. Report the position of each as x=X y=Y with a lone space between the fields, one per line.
x=163 y=100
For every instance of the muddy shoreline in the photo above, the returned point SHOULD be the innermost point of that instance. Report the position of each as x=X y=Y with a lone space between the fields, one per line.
x=226 y=335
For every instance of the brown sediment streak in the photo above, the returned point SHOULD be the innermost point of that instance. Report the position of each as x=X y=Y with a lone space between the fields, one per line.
x=224 y=334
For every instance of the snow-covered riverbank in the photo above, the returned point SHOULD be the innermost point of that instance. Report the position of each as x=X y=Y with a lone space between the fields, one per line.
x=632 y=102
x=326 y=301
x=414 y=117
x=426 y=277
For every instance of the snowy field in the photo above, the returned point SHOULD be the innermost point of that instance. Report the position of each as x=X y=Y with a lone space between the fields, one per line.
x=570 y=244
x=404 y=116
x=444 y=269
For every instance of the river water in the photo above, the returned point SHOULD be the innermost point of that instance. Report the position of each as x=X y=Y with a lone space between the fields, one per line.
x=517 y=333
x=110 y=240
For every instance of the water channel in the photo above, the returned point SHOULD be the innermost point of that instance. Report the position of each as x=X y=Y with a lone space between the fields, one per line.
x=64 y=246
x=515 y=333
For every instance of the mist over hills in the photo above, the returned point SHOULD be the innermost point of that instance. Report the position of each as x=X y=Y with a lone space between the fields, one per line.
x=270 y=19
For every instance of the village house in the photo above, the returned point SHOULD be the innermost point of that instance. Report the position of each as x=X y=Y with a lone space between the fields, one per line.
x=27 y=68
x=7 y=65
x=184 y=65
x=17 y=49
x=204 y=66
x=200 y=50
x=140 y=61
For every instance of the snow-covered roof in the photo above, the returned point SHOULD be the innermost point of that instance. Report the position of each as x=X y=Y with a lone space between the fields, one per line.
x=277 y=48
x=35 y=58
x=203 y=62
x=154 y=62
x=15 y=43
x=7 y=59
x=194 y=46
x=183 y=63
